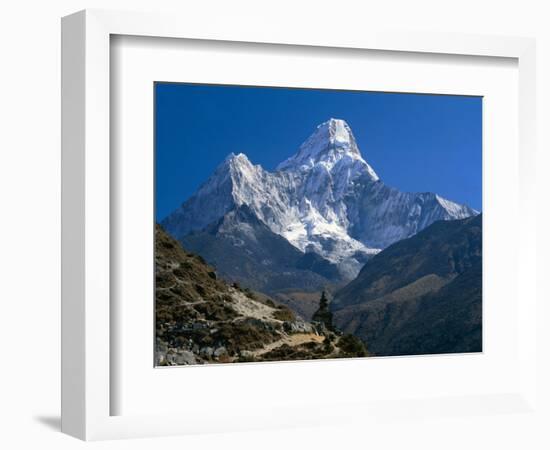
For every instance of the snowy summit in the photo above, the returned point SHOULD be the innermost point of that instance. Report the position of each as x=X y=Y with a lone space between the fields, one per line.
x=331 y=144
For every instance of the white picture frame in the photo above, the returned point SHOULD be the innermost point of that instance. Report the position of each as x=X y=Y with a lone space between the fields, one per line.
x=87 y=385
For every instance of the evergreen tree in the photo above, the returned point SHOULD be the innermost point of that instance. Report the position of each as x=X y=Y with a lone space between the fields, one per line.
x=323 y=314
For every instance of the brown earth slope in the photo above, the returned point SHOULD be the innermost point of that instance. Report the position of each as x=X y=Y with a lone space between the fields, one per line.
x=202 y=319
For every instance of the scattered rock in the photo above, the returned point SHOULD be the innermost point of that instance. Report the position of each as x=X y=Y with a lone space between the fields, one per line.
x=298 y=327
x=220 y=351
x=207 y=351
x=185 y=358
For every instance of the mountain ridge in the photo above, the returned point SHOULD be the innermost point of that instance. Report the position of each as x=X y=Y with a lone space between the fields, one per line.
x=421 y=295
x=325 y=199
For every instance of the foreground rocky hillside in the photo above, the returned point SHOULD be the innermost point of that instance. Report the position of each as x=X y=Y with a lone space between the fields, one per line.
x=202 y=319
x=421 y=295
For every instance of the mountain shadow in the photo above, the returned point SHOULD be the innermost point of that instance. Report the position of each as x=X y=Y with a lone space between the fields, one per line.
x=244 y=250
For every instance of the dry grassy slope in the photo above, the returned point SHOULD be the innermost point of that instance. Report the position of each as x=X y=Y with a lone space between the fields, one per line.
x=202 y=319
x=420 y=295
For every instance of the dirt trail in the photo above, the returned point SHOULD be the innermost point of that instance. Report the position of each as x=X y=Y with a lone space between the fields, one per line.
x=292 y=340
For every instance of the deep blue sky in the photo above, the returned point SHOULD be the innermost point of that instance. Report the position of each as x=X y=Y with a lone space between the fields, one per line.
x=416 y=143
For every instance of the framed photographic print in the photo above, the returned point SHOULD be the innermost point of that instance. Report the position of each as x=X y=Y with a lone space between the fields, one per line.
x=253 y=217
x=308 y=253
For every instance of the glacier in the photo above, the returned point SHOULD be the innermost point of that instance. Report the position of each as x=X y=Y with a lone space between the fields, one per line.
x=324 y=199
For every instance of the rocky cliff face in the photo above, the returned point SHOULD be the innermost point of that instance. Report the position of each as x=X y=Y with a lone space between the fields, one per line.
x=326 y=200
x=421 y=295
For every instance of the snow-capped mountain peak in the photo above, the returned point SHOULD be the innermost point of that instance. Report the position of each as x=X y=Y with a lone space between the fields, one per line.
x=238 y=164
x=325 y=199
x=236 y=158
x=331 y=145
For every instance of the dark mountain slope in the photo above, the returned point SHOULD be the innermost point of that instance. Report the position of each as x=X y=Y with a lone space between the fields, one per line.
x=420 y=295
x=244 y=249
